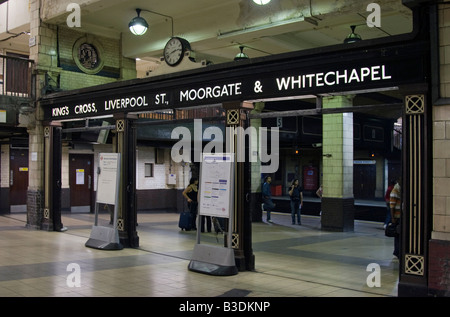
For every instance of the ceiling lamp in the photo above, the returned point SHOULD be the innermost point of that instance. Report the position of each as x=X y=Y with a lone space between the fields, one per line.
x=241 y=55
x=353 y=37
x=261 y=2
x=138 y=26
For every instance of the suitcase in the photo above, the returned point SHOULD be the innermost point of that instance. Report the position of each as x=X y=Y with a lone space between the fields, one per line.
x=185 y=222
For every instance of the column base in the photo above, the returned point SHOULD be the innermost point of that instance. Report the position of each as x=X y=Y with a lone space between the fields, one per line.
x=244 y=263
x=35 y=209
x=128 y=241
x=338 y=214
x=412 y=290
x=439 y=262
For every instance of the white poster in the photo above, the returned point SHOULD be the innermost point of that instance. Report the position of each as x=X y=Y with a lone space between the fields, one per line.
x=216 y=185
x=79 y=177
x=107 y=178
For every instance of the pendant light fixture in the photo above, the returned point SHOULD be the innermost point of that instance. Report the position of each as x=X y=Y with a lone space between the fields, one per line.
x=261 y=2
x=240 y=56
x=352 y=37
x=138 y=26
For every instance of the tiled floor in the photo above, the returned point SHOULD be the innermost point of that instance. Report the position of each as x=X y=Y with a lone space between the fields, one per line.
x=291 y=261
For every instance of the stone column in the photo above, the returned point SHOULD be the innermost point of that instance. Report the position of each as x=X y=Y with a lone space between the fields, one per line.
x=45 y=62
x=35 y=193
x=338 y=201
x=439 y=245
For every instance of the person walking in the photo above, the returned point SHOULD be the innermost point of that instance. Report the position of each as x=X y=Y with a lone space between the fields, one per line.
x=267 y=197
x=191 y=195
x=296 y=194
x=396 y=211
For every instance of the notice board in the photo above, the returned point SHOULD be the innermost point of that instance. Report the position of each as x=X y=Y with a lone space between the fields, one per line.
x=216 y=179
x=108 y=176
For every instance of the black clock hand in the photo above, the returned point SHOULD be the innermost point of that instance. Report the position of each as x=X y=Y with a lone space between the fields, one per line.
x=178 y=49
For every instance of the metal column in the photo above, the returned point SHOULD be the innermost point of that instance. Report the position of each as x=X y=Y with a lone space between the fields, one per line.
x=237 y=117
x=127 y=213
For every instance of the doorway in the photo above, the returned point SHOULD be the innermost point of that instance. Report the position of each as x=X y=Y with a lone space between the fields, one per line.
x=18 y=180
x=364 y=180
x=81 y=182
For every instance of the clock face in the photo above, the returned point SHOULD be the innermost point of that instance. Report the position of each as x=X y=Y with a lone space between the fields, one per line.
x=174 y=51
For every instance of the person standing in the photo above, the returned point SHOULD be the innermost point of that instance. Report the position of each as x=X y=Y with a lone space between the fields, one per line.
x=206 y=219
x=387 y=198
x=296 y=194
x=396 y=210
x=319 y=193
x=267 y=197
x=191 y=195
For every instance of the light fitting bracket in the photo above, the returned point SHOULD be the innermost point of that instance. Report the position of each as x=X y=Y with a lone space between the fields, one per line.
x=163 y=15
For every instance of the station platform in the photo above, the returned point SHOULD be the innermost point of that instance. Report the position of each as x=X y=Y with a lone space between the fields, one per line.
x=290 y=261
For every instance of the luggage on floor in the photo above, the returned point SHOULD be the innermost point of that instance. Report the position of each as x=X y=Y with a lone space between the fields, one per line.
x=185 y=222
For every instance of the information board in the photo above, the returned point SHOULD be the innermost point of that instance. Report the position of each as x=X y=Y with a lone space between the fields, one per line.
x=107 y=178
x=216 y=194
x=216 y=185
x=102 y=237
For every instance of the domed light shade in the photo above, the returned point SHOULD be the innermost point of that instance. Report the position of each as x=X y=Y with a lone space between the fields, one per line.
x=261 y=2
x=138 y=26
x=241 y=55
x=353 y=37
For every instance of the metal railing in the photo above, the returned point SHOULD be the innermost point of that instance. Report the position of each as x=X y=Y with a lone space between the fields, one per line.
x=16 y=77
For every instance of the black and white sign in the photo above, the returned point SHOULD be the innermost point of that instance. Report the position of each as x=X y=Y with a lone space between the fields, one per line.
x=107 y=182
x=216 y=185
x=274 y=80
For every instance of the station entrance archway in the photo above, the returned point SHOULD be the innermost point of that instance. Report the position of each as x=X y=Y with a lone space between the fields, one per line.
x=401 y=62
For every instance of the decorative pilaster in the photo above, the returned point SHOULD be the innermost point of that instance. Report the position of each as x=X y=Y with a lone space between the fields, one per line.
x=127 y=211
x=255 y=195
x=415 y=190
x=52 y=179
x=236 y=117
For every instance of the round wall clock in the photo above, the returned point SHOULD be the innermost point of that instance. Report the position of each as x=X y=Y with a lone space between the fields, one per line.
x=175 y=49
